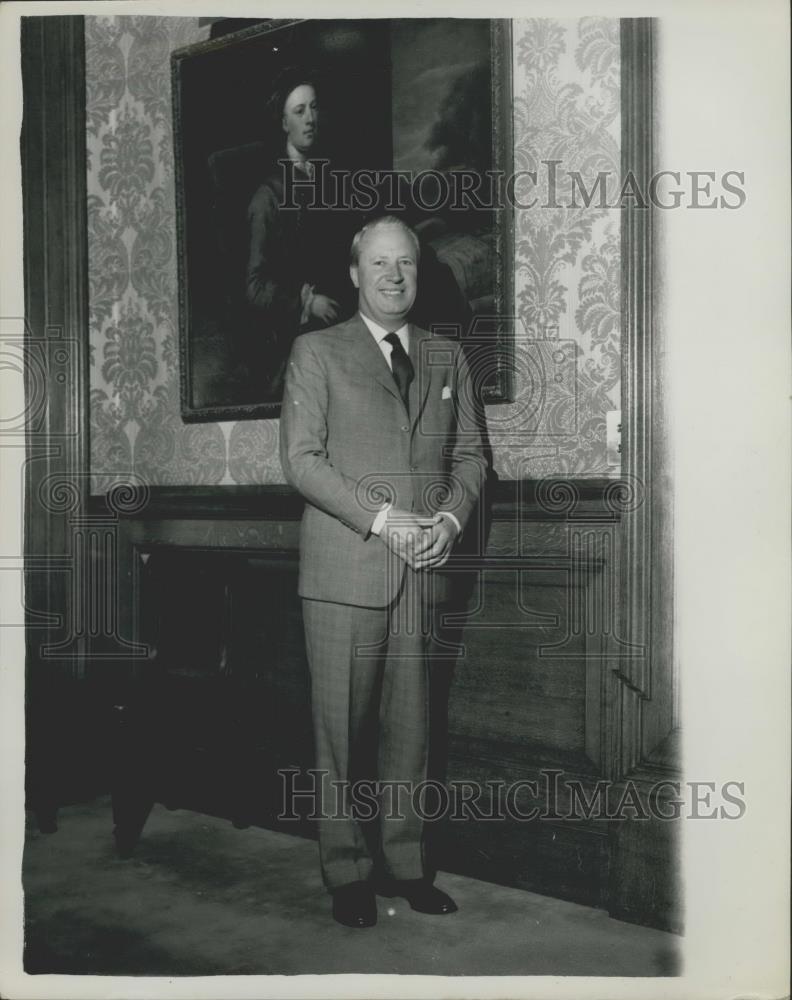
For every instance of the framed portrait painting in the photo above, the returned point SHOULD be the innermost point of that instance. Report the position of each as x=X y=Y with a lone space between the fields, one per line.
x=289 y=136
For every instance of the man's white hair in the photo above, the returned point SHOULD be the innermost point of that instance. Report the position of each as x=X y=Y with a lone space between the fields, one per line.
x=385 y=220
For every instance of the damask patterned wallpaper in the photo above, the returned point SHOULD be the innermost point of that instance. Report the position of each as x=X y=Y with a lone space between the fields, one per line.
x=566 y=107
x=567 y=267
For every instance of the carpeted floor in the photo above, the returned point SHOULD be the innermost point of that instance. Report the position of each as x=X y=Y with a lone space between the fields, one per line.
x=202 y=898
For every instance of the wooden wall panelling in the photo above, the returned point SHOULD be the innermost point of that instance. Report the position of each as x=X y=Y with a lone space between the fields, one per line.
x=54 y=176
x=55 y=350
x=644 y=872
x=647 y=559
x=529 y=698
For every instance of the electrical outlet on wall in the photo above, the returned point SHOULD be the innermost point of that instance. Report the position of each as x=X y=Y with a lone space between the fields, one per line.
x=613 y=427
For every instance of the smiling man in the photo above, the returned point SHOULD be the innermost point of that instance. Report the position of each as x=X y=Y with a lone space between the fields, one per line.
x=378 y=427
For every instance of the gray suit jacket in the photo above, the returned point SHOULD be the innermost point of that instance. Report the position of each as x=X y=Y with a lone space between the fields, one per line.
x=348 y=445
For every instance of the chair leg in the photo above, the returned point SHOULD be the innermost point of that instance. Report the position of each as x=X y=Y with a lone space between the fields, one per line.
x=132 y=791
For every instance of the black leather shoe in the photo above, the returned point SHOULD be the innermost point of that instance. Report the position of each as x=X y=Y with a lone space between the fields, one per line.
x=420 y=894
x=354 y=905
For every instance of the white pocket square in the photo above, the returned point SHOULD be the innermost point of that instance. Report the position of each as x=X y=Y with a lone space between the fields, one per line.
x=446 y=393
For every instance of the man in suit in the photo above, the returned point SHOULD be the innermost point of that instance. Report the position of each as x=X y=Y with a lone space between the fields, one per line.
x=379 y=434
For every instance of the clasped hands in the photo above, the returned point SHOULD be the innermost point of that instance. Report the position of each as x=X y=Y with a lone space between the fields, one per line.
x=422 y=542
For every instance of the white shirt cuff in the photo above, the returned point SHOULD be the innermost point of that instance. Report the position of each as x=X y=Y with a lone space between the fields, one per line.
x=379 y=520
x=306 y=297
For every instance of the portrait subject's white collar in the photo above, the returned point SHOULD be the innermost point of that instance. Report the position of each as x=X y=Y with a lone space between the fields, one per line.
x=298 y=160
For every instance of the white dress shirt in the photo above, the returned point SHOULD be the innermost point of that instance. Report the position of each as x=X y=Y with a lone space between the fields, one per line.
x=379 y=334
x=300 y=161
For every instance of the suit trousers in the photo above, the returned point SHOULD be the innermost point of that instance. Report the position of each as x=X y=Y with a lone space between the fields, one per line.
x=370 y=706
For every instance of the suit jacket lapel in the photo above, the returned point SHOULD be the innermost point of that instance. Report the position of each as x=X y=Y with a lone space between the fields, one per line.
x=370 y=357
x=419 y=388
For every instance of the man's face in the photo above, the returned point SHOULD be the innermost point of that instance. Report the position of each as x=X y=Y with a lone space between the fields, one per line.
x=301 y=117
x=386 y=276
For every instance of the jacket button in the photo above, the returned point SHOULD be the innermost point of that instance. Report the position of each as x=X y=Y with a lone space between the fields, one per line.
x=405 y=427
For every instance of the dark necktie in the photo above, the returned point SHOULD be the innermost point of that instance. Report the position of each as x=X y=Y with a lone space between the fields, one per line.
x=402 y=367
